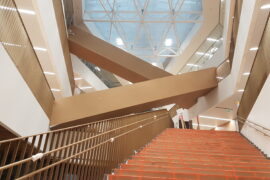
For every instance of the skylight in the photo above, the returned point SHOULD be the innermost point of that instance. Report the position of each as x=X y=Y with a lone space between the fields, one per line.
x=152 y=30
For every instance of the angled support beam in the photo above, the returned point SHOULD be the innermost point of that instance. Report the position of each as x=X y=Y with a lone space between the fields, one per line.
x=111 y=58
x=182 y=89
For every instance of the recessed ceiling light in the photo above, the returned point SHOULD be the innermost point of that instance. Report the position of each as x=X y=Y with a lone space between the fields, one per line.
x=86 y=87
x=240 y=90
x=11 y=44
x=55 y=90
x=25 y=11
x=97 y=68
x=266 y=6
x=246 y=73
x=199 y=53
x=168 y=42
x=215 y=118
x=119 y=42
x=40 y=49
x=254 y=48
x=154 y=64
x=204 y=125
x=214 y=49
x=49 y=73
x=220 y=78
x=212 y=40
x=194 y=65
x=77 y=79
x=205 y=54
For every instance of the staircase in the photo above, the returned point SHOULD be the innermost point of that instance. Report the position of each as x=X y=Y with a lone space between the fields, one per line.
x=195 y=154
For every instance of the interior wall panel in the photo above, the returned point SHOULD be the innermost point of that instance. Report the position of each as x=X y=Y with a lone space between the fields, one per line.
x=17 y=44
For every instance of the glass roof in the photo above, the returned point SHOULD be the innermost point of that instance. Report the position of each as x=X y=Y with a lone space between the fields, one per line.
x=152 y=30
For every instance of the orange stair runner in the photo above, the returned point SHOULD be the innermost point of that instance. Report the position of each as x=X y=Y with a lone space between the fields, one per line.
x=195 y=154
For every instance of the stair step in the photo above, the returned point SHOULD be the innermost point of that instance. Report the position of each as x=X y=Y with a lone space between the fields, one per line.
x=183 y=175
x=199 y=150
x=196 y=154
x=177 y=160
x=195 y=170
x=210 y=158
x=126 y=177
x=209 y=177
x=162 y=151
x=237 y=166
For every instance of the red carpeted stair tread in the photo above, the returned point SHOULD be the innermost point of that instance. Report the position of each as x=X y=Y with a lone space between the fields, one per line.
x=238 y=166
x=183 y=175
x=196 y=154
x=129 y=177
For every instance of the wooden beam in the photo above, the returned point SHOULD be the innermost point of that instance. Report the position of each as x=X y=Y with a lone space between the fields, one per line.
x=182 y=89
x=111 y=58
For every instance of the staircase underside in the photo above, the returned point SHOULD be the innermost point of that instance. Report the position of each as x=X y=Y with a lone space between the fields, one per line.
x=181 y=89
x=115 y=60
x=196 y=154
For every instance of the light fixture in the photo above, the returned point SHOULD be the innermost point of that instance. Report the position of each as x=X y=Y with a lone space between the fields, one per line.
x=97 y=68
x=11 y=44
x=78 y=78
x=205 y=54
x=266 y=6
x=212 y=40
x=204 y=125
x=49 y=73
x=168 y=42
x=55 y=90
x=254 y=48
x=215 y=118
x=40 y=49
x=214 y=49
x=86 y=87
x=240 y=90
x=228 y=61
x=220 y=78
x=199 y=53
x=24 y=11
x=194 y=65
x=154 y=64
x=129 y=82
x=119 y=42
x=246 y=73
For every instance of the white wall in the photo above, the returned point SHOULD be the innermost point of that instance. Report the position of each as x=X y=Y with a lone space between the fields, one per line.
x=48 y=24
x=252 y=20
x=260 y=115
x=19 y=109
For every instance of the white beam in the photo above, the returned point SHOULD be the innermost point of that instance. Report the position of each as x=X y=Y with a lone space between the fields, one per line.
x=86 y=73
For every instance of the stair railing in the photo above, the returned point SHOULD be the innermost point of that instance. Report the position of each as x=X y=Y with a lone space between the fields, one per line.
x=265 y=131
x=81 y=152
